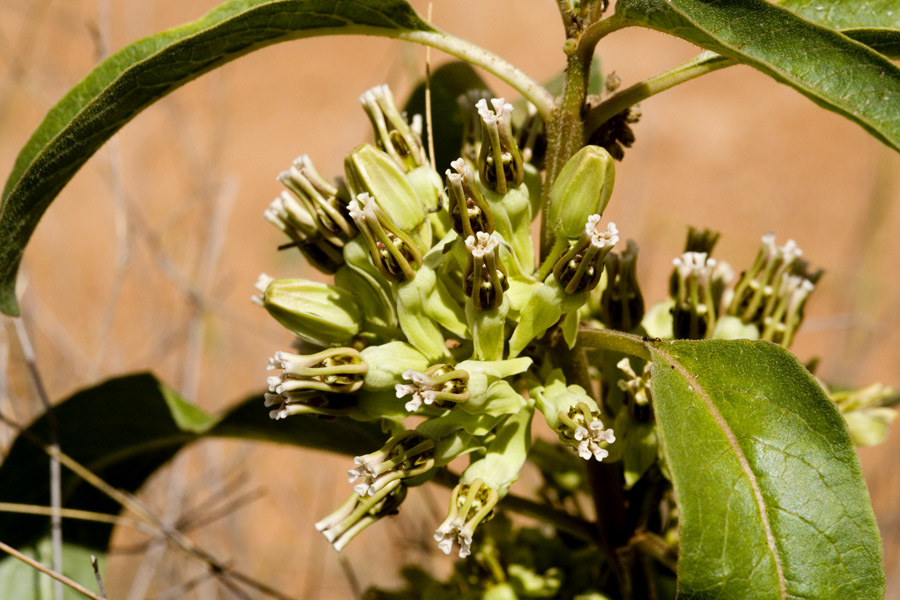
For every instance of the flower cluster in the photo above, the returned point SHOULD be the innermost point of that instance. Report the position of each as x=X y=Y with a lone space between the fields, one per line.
x=439 y=310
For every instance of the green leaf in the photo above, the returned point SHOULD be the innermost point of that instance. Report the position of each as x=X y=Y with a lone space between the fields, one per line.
x=875 y=23
x=771 y=495
x=123 y=431
x=132 y=79
x=824 y=65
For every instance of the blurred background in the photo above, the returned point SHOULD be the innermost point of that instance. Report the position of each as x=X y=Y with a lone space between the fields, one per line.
x=147 y=259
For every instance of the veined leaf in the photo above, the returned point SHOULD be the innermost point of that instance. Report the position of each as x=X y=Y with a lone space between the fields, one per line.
x=123 y=431
x=824 y=65
x=875 y=23
x=771 y=495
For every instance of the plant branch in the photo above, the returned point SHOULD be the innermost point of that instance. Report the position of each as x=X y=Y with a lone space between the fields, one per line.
x=612 y=340
x=598 y=30
x=62 y=579
x=490 y=62
x=707 y=62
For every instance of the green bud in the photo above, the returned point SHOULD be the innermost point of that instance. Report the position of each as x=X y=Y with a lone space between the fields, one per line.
x=371 y=171
x=388 y=363
x=442 y=386
x=317 y=313
x=469 y=211
x=393 y=251
x=392 y=133
x=500 y=165
x=485 y=277
x=580 y=268
x=582 y=189
x=358 y=512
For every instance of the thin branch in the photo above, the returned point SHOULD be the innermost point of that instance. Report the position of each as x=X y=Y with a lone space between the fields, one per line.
x=97 y=576
x=707 y=62
x=55 y=471
x=490 y=62
x=72 y=513
x=596 y=31
x=59 y=578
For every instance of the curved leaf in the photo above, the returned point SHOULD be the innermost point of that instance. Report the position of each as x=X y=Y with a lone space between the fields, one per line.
x=824 y=65
x=147 y=70
x=771 y=495
x=875 y=23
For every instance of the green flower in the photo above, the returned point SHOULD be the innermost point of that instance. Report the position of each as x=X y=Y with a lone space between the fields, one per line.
x=405 y=455
x=392 y=133
x=581 y=266
x=441 y=385
x=358 y=512
x=393 y=252
x=485 y=277
x=500 y=165
x=469 y=211
x=470 y=504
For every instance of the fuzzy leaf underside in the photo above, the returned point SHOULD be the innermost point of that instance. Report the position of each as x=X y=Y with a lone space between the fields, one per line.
x=124 y=430
x=145 y=71
x=835 y=72
x=771 y=496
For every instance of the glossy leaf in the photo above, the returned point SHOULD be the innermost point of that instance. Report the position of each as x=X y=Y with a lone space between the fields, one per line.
x=123 y=431
x=824 y=65
x=875 y=23
x=771 y=496
x=132 y=79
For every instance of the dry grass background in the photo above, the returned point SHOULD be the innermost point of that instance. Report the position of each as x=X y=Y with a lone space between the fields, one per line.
x=147 y=259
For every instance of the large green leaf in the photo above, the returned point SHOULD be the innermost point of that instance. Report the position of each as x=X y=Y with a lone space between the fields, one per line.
x=875 y=23
x=834 y=71
x=771 y=496
x=142 y=73
x=123 y=431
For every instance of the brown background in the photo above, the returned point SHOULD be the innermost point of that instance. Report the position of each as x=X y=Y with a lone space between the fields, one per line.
x=148 y=257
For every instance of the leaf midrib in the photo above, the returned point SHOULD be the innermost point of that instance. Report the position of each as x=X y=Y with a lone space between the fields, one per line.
x=742 y=459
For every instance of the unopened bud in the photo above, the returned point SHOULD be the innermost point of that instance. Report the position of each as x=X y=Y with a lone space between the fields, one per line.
x=583 y=188
x=317 y=313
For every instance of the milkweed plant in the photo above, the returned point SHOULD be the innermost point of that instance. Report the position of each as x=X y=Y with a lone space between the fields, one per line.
x=483 y=313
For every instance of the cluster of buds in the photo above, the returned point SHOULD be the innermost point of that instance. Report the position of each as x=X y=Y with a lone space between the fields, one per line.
x=772 y=294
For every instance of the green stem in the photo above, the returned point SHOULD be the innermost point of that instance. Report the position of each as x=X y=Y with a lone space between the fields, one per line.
x=490 y=62
x=706 y=62
x=614 y=341
x=596 y=31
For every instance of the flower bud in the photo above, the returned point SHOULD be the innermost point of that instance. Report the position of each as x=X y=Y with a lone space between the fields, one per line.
x=622 y=303
x=393 y=251
x=405 y=455
x=358 y=512
x=500 y=165
x=616 y=134
x=317 y=313
x=388 y=363
x=469 y=211
x=574 y=416
x=441 y=385
x=320 y=199
x=485 y=277
x=392 y=133
x=291 y=217
x=580 y=268
x=369 y=170
x=695 y=310
x=583 y=188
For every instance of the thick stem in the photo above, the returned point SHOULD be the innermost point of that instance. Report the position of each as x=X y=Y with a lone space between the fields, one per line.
x=706 y=62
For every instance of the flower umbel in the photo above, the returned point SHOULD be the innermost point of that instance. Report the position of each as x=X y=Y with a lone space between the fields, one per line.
x=442 y=385
x=470 y=504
